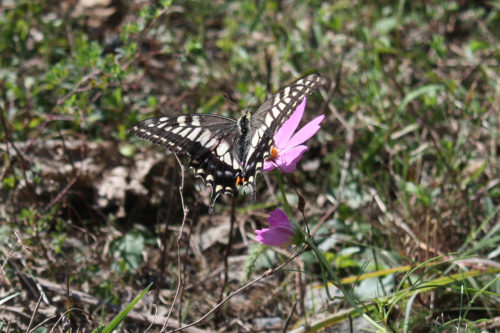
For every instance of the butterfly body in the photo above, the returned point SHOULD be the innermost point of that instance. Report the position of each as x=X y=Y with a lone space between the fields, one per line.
x=226 y=153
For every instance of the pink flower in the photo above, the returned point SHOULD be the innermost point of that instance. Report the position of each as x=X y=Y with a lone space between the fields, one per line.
x=280 y=231
x=288 y=148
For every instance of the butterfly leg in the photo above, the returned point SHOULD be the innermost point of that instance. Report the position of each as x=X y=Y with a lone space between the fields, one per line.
x=254 y=194
x=213 y=198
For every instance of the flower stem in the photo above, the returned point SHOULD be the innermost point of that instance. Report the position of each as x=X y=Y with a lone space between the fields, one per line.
x=347 y=293
x=288 y=209
x=283 y=193
x=322 y=260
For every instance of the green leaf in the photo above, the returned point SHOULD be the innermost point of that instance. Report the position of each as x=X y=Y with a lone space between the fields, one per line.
x=122 y=315
x=152 y=101
x=386 y=25
x=424 y=90
x=130 y=249
x=437 y=43
x=8 y=183
x=478 y=45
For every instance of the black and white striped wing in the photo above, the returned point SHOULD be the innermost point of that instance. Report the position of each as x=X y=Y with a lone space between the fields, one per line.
x=269 y=118
x=209 y=140
x=226 y=153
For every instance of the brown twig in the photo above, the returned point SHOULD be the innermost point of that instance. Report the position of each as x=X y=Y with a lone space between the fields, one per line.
x=264 y=275
x=68 y=300
x=63 y=315
x=43 y=322
x=61 y=193
x=228 y=249
x=302 y=291
x=347 y=160
x=7 y=256
x=88 y=299
x=84 y=79
x=330 y=211
x=76 y=173
x=164 y=239
x=155 y=315
x=289 y=317
x=34 y=313
x=179 y=237
x=326 y=97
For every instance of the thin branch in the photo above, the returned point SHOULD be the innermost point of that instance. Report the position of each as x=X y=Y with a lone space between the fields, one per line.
x=289 y=317
x=91 y=300
x=264 y=275
x=34 y=313
x=164 y=238
x=228 y=249
x=76 y=89
x=61 y=193
x=179 y=237
x=330 y=211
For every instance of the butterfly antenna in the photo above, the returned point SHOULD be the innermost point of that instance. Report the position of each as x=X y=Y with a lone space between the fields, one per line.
x=235 y=103
x=269 y=69
x=229 y=99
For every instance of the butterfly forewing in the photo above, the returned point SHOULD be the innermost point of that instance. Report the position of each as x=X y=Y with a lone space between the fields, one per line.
x=209 y=141
x=269 y=118
x=227 y=153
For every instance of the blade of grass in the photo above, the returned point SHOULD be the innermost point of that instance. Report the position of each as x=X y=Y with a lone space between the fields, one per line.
x=122 y=315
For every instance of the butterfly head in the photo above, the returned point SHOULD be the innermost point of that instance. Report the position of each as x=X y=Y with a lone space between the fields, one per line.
x=244 y=124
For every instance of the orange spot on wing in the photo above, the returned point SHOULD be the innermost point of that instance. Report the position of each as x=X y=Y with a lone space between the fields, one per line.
x=240 y=180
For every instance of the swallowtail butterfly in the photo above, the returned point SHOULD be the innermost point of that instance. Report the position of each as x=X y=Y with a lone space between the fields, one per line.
x=224 y=152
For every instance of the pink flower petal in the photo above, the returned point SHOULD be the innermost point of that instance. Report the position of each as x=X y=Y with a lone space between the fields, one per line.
x=306 y=132
x=288 y=145
x=287 y=160
x=269 y=165
x=272 y=237
x=278 y=218
x=286 y=130
x=279 y=233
